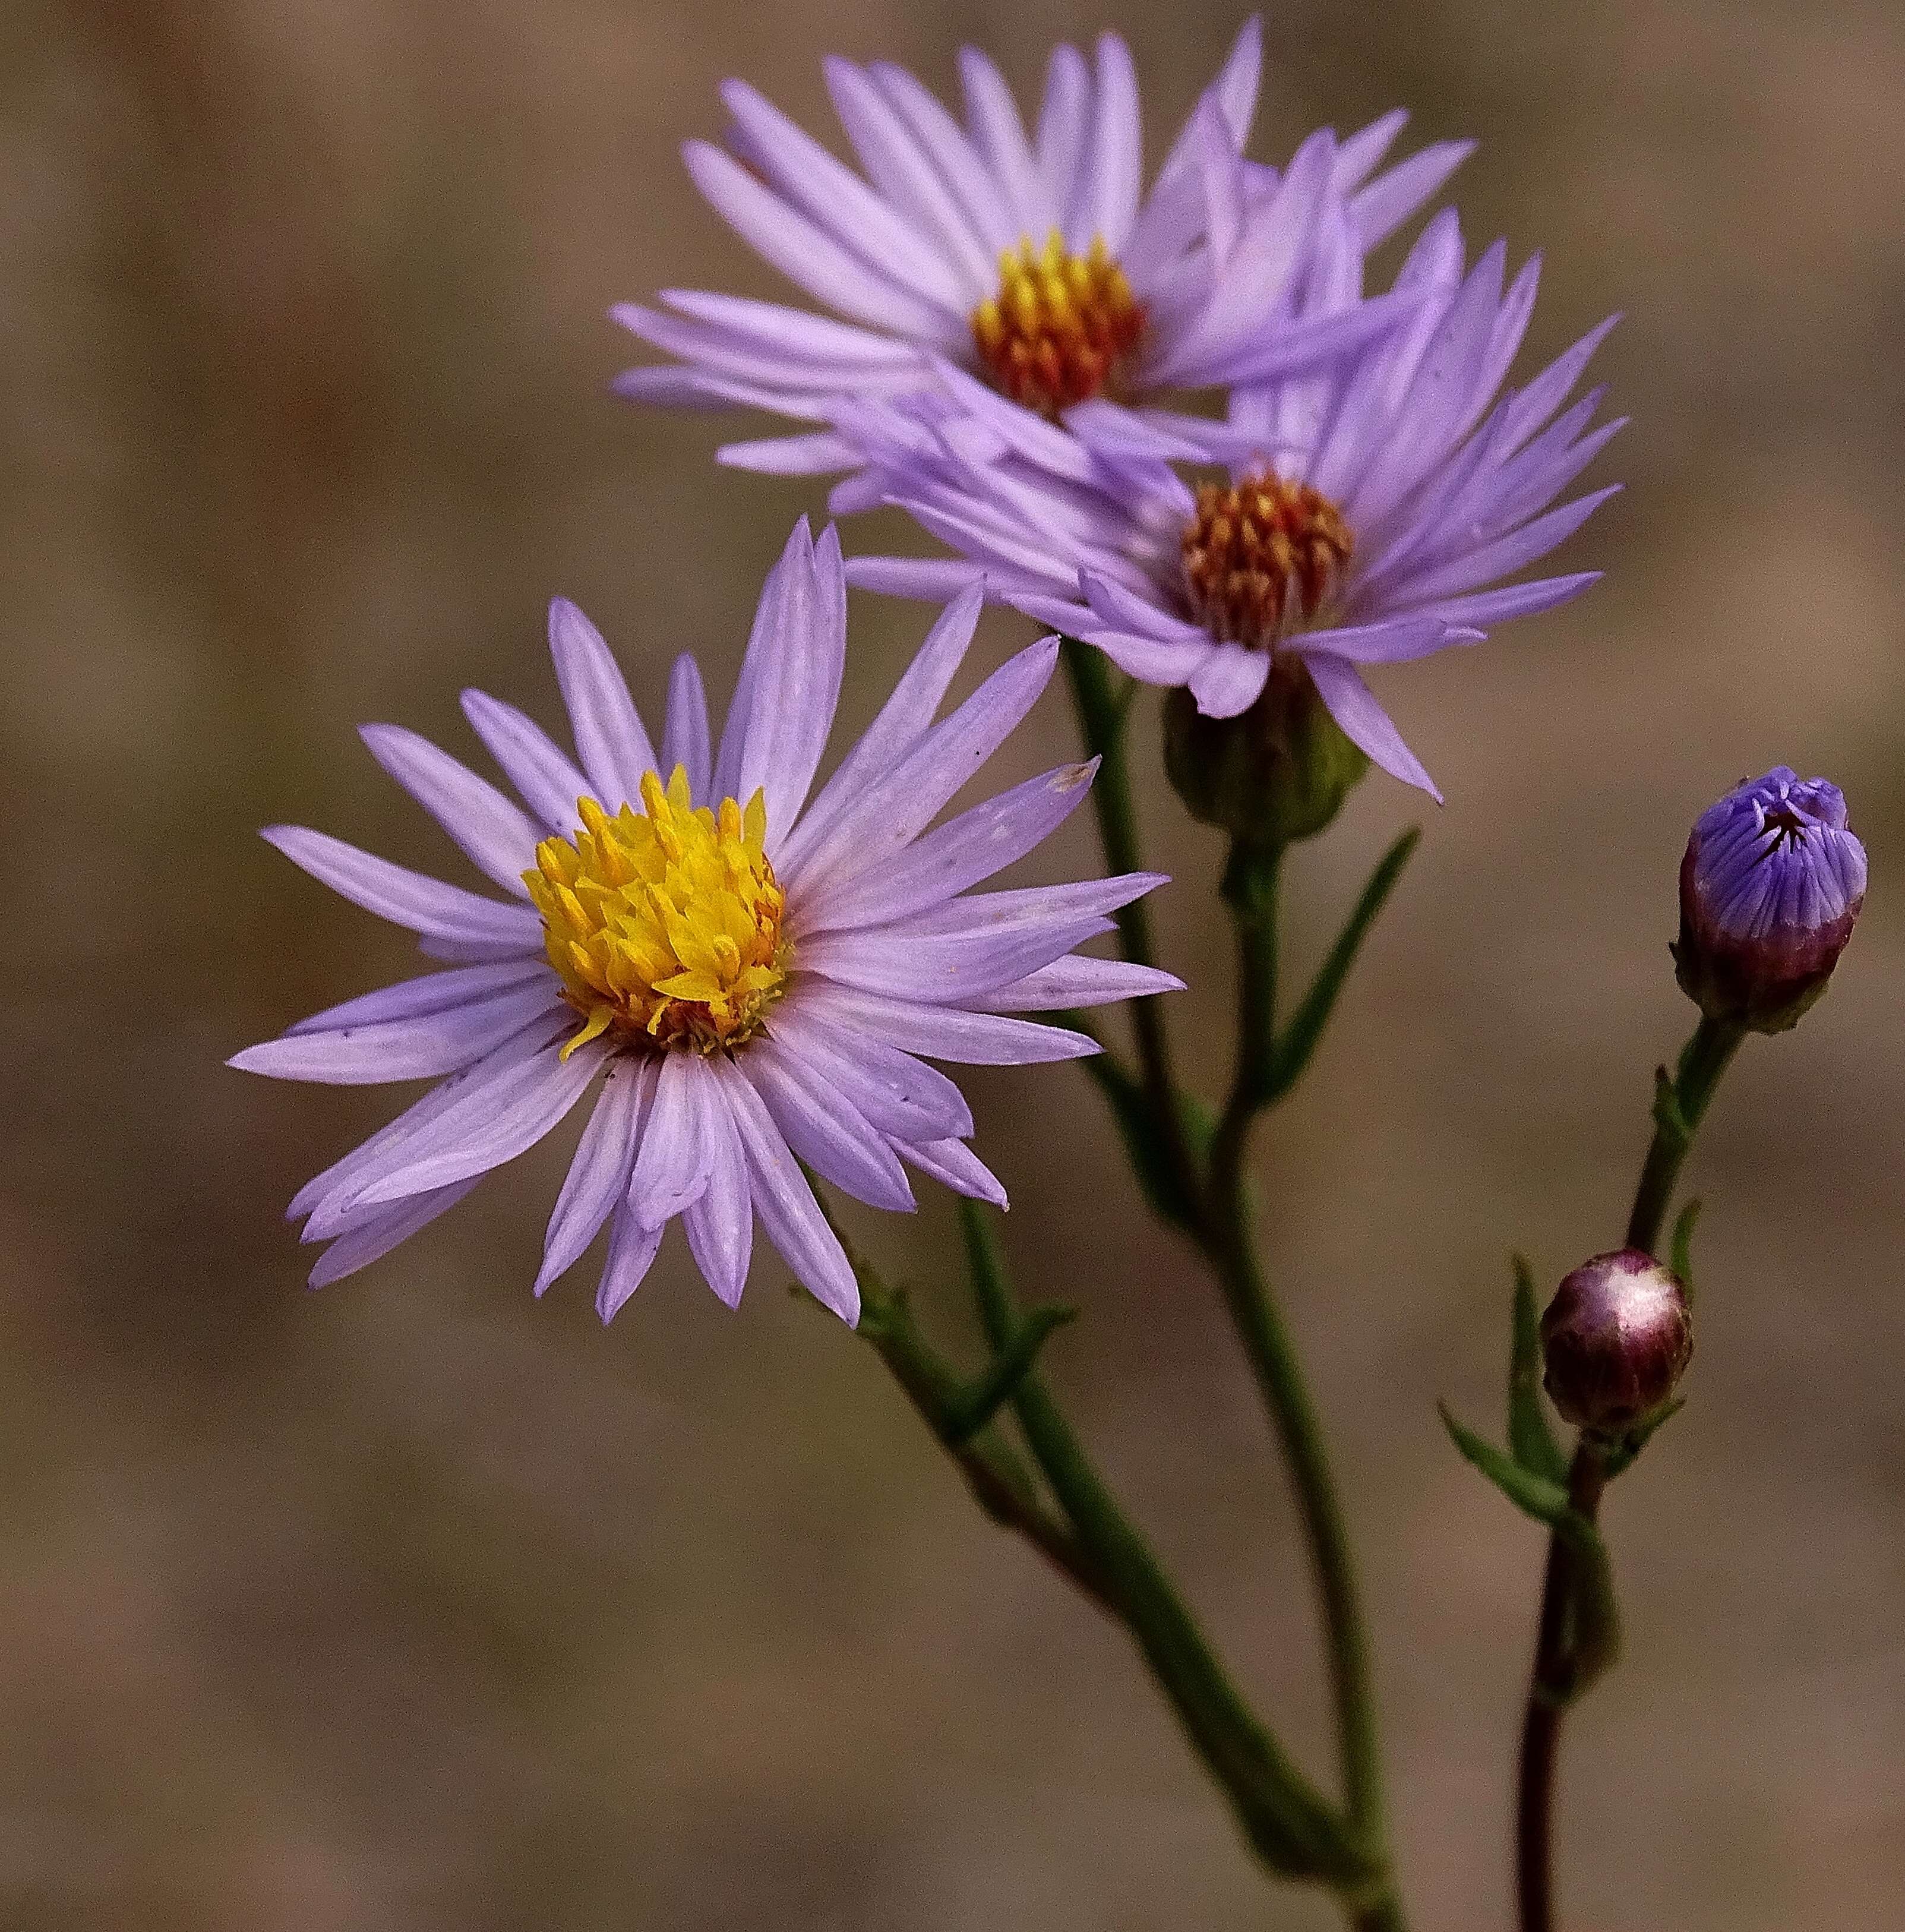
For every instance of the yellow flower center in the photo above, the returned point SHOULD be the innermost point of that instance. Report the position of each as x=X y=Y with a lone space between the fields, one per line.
x=1062 y=328
x=1261 y=557
x=664 y=924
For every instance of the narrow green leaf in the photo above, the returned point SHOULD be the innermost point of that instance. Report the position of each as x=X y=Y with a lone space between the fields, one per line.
x=1681 y=1253
x=977 y=1405
x=1593 y=1626
x=1667 y=1116
x=1529 y=1435
x=1297 y=1041
x=1537 y=1496
x=1593 y=1639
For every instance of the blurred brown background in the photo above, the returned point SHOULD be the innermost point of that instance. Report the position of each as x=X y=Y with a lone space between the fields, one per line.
x=415 y=1604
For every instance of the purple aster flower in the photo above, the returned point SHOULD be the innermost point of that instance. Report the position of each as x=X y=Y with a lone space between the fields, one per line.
x=1037 y=261
x=1365 y=511
x=1770 y=890
x=749 y=977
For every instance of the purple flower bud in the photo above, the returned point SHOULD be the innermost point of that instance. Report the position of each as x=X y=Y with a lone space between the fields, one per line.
x=1614 y=1340
x=1770 y=890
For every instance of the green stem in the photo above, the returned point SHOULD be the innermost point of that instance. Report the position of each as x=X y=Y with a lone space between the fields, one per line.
x=1273 y=1362
x=1101 y=720
x=1680 y=1105
x=1384 y=1914
x=1250 y=889
x=1292 y=1827
x=1000 y=1483
x=1678 y=1109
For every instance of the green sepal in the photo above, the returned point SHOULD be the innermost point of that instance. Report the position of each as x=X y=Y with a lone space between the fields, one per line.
x=1619 y=1453
x=1529 y=1435
x=1278 y=773
x=1149 y=1152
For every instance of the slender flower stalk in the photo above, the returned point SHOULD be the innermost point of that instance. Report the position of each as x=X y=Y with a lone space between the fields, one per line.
x=1706 y=1057
x=1034 y=259
x=1292 y=1828
x=1770 y=887
x=757 y=972
x=1102 y=716
x=1679 y=1110
x=1251 y=891
x=1268 y=1063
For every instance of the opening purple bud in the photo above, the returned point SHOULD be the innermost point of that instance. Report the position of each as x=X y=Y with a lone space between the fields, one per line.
x=1770 y=890
x=1615 y=1338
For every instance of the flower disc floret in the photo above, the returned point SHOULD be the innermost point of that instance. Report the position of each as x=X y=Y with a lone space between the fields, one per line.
x=664 y=924
x=1062 y=328
x=1261 y=556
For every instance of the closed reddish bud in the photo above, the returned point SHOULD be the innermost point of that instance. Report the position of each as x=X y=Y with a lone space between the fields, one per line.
x=1614 y=1340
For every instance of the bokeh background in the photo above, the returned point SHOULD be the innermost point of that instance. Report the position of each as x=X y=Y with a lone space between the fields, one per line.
x=416 y=1604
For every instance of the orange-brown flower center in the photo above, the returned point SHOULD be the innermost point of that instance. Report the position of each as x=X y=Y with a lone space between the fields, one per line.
x=1262 y=557
x=1062 y=327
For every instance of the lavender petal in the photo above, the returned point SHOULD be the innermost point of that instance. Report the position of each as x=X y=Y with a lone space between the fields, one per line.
x=418 y=1047
x=894 y=808
x=956 y=1165
x=959 y=854
x=1364 y=722
x=494 y=835
x=374 y=1238
x=820 y=1027
x=719 y=1224
x=788 y=1211
x=548 y=780
x=825 y=1129
x=684 y=738
x=631 y=1251
x=425 y=905
x=597 y=1178
x=610 y=736
x=431 y=993
x=484 y=1131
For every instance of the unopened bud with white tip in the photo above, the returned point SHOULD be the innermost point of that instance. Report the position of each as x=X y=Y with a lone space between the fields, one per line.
x=1614 y=1341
